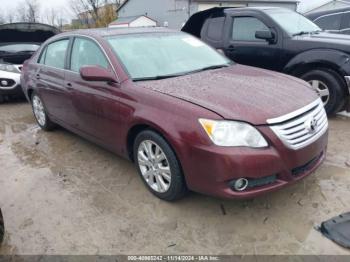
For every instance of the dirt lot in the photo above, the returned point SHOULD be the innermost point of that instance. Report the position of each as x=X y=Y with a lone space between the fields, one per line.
x=63 y=195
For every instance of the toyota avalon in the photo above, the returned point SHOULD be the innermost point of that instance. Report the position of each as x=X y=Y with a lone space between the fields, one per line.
x=189 y=118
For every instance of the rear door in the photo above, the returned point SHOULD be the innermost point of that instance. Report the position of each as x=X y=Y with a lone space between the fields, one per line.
x=50 y=77
x=243 y=47
x=96 y=103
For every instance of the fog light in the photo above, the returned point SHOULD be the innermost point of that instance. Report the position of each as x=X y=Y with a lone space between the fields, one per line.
x=240 y=184
x=4 y=83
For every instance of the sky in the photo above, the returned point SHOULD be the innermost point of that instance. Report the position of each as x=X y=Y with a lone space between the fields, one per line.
x=67 y=13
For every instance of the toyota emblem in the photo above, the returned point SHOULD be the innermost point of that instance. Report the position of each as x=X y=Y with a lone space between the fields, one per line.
x=311 y=125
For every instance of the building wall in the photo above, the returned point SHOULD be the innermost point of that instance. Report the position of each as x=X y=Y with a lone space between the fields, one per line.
x=174 y=13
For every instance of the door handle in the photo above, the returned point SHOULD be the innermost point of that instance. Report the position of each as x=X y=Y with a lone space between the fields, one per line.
x=231 y=48
x=37 y=76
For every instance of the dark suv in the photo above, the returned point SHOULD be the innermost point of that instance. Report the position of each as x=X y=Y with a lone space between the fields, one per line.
x=281 y=40
x=335 y=21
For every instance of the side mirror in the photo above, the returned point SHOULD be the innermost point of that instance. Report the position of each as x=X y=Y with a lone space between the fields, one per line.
x=97 y=73
x=265 y=35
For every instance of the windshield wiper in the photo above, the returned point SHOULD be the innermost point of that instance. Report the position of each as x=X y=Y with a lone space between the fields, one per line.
x=307 y=32
x=209 y=68
x=156 y=77
x=180 y=74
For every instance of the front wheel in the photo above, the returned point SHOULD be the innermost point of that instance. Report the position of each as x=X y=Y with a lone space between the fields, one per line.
x=329 y=88
x=40 y=113
x=158 y=166
x=2 y=228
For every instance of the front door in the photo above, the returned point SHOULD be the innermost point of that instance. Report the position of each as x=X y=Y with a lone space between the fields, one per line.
x=96 y=103
x=244 y=48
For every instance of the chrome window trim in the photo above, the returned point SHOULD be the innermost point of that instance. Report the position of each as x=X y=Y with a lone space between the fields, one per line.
x=286 y=117
x=81 y=36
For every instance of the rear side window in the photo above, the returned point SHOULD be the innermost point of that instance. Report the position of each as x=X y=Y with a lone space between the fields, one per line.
x=329 y=22
x=244 y=28
x=215 y=28
x=56 y=54
x=86 y=52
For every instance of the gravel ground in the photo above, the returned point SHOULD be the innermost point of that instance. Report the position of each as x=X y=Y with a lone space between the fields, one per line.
x=63 y=195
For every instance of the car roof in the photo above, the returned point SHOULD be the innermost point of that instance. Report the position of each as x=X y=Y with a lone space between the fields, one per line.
x=104 y=32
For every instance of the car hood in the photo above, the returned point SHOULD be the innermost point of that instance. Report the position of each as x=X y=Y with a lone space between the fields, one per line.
x=26 y=32
x=239 y=92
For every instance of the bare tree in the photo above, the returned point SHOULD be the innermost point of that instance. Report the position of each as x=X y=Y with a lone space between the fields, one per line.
x=2 y=19
x=33 y=10
x=95 y=13
x=28 y=11
x=10 y=17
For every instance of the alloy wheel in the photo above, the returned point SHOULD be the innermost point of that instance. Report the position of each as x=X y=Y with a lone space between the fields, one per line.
x=321 y=89
x=154 y=166
x=39 y=110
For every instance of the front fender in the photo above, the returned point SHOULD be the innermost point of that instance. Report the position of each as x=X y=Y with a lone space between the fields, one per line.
x=333 y=59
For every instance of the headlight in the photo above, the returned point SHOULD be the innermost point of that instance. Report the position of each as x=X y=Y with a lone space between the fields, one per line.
x=9 y=68
x=232 y=133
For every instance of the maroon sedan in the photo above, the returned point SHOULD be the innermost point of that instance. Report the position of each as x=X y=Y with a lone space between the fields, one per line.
x=187 y=116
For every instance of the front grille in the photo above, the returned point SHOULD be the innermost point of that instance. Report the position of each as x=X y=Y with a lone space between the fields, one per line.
x=302 y=127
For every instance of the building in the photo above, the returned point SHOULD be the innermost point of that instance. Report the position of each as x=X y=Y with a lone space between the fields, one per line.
x=330 y=5
x=174 y=13
x=134 y=21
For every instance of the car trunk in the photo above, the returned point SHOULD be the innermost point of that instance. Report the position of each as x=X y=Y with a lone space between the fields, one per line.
x=23 y=33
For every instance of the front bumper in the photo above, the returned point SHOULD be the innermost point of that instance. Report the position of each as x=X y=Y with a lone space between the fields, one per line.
x=216 y=167
x=13 y=87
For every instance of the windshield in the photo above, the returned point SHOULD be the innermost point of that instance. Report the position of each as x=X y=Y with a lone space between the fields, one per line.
x=292 y=22
x=15 y=48
x=152 y=56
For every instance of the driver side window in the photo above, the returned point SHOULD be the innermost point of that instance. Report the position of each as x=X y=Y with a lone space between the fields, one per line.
x=244 y=29
x=86 y=52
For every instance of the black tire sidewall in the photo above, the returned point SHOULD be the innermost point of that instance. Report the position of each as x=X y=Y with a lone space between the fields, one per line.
x=335 y=87
x=177 y=187
x=2 y=228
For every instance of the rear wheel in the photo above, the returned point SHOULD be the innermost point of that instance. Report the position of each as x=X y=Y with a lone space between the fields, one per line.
x=329 y=88
x=40 y=113
x=158 y=166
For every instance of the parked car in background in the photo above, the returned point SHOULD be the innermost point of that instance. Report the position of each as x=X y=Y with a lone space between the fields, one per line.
x=18 y=42
x=334 y=21
x=2 y=228
x=186 y=115
x=281 y=40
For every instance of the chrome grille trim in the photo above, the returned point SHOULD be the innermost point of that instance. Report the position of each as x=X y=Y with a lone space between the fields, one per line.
x=292 y=129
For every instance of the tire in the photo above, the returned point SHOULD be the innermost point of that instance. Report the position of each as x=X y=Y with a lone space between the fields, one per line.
x=172 y=189
x=2 y=228
x=330 y=80
x=40 y=113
